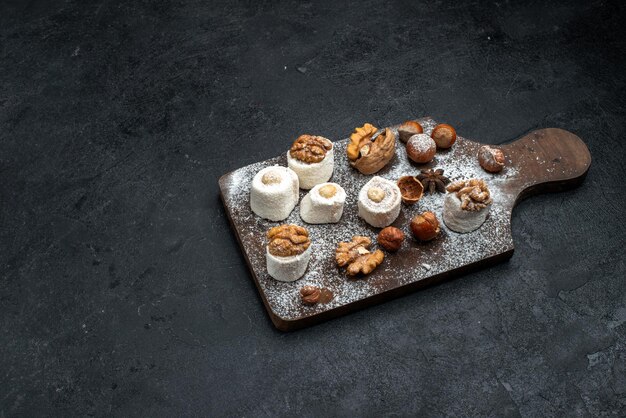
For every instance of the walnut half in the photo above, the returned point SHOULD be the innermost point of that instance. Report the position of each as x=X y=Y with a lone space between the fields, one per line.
x=310 y=148
x=288 y=240
x=357 y=257
x=369 y=156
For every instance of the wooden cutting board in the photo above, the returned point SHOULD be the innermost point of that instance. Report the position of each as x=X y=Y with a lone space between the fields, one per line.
x=544 y=160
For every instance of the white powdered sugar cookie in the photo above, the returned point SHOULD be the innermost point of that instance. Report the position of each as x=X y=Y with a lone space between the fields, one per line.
x=379 y=202
x=274 y=193
x=323 y=204
x=312 y=158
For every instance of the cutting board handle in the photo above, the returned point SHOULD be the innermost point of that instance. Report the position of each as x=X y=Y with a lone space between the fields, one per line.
x=546 y=160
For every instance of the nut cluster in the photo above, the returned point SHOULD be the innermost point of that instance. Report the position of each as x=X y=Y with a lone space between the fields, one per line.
x=358 y=139
x=473 y=194
x=310 y=148
x=287 y=240
x=357 y=257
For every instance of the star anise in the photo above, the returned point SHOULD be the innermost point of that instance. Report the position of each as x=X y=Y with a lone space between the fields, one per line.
x=433 y=180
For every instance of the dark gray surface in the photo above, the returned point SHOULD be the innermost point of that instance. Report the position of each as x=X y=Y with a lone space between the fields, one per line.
x=123 y=291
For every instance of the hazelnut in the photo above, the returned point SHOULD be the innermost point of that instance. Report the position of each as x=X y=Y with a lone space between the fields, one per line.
x=310 y=295
x=376 y=194
x=408 y=129
x=491 y=159
x=411 y=189
x=270 y=177
x=444 y=135
x=328 y=191
x=390 y=238
x=425 y=226
x=421 y=148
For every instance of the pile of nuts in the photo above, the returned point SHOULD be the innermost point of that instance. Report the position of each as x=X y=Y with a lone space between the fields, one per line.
x=421 y=148
x=369 y=150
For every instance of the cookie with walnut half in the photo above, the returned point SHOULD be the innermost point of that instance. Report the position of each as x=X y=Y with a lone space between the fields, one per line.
x=312 y=157
x=466 y=205
x=288 y=252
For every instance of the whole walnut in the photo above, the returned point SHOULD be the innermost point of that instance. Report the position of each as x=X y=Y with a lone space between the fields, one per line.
x=369 y=156
x=391 y=238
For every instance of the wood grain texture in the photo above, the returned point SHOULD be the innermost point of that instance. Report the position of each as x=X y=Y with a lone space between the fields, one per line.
x=549 y=160
x=544 y=160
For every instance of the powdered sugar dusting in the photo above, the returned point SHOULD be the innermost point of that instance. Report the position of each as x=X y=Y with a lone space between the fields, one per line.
x=414 y=262
x=422 y=143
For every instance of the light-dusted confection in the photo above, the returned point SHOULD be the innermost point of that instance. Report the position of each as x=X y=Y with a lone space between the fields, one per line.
x=323 y=204
x=274 y=193
x=288 y=252
x=421 y=148
x=288 y=269
x=379 y=202
x=466 y=205
x=312 y=158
